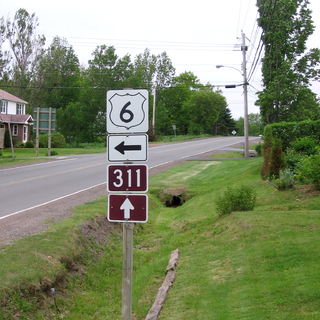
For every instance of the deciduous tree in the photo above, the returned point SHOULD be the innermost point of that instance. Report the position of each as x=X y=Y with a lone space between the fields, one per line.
x=27 y=47
x=287 y=66
x=57 y=76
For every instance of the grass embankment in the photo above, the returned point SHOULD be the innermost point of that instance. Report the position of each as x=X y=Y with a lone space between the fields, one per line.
x=248 y=265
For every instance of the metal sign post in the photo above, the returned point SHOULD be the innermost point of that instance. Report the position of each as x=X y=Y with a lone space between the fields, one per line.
x=127 y=121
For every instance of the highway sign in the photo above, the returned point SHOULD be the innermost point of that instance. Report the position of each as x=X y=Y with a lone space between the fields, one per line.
x=127 y=177
x=128 y=207
x=127 y=111
x=121 y=148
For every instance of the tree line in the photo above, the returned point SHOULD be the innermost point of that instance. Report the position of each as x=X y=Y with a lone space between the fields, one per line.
x=53 y=77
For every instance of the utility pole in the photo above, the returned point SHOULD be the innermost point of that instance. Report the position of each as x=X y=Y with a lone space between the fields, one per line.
x=154 y=113
x=244 y=49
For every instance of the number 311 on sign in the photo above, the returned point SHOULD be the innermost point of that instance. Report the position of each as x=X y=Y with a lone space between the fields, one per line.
x=127 y=177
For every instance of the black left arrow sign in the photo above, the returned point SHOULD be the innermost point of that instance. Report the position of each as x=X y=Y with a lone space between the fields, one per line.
x=121 y=147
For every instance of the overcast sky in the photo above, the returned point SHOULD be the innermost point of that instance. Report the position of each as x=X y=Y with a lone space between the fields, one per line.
x=197 y=35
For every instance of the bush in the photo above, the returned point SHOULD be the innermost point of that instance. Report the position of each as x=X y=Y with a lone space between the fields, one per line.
x=309 y=170
x=258 y=149
x=277 y=160
x=305 y=145
x=52 y=153
x=0 y=153
x=286 y=180
x=57 y=140
x=266 y=152
x=292 y=159
x=30 y=144
x=236 y=199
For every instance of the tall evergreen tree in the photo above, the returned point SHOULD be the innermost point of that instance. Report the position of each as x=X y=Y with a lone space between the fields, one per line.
x=287 y=66
x=225 y=124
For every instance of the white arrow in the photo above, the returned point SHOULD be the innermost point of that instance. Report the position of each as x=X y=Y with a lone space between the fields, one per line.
x=127 y=206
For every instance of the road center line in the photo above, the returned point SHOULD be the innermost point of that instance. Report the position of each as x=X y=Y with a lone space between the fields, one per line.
x=50 y=175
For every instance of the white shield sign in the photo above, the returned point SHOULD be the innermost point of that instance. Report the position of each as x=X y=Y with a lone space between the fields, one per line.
x=127 y=111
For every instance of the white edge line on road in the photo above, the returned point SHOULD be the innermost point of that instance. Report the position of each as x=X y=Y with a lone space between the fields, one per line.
x=45 y=203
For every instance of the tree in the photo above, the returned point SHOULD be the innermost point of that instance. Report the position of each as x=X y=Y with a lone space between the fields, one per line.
x=5 y=56
x=164 y=71
x=27 y=48
x=225 y=124
x=170 y=101
x=203 y=109
x=57 y=75
x=73 y=122
x=145 y=67
x=287 y=68
x=254 y=125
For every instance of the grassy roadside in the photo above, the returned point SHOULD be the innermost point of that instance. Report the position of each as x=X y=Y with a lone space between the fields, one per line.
x=249 y=265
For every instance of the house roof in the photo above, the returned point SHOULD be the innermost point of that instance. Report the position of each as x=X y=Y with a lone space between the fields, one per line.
x=8 y=96
x=16 y=118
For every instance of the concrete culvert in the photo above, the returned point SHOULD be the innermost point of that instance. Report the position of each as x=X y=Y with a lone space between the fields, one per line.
x=174 y=197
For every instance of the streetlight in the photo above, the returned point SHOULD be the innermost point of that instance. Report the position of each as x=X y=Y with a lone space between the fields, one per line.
x=246 y=130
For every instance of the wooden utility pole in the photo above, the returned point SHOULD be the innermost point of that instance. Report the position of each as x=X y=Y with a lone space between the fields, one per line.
x=154 y=113
x=10 y=134
x=244 y=49
x=49 y=133
x=37 y=132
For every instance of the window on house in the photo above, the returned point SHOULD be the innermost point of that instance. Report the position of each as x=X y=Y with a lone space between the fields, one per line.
x=19 y=108
x=15 y=130
x=3 y=106
x=2 y=126
x=25 y=134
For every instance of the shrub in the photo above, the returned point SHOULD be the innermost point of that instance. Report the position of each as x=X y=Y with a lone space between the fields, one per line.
x=292 y=159
x=277 y=160
x=52 y=153
x=0 y=153
x=286 y=180
x=57 y=140
x=309 y=170
x=266 y=152
x=30 y=144
x=305 y=145
x=236 y=199
x=258 y=149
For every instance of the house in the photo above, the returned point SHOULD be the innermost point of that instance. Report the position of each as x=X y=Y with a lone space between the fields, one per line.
x=13 y=115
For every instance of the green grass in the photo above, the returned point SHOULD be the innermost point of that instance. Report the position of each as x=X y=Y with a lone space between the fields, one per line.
x=261 y=264
x=180 y=138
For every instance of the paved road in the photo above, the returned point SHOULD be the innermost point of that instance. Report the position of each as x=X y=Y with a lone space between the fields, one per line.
x=29 y=186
